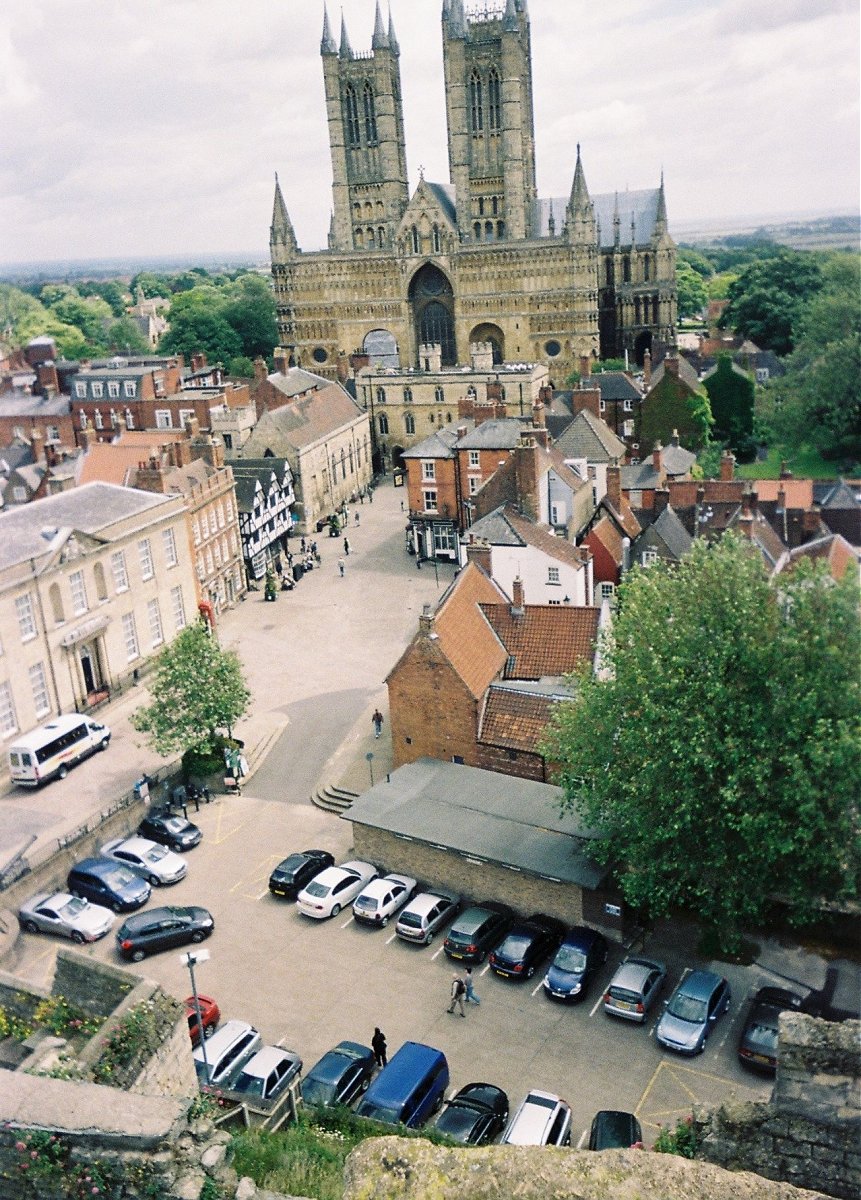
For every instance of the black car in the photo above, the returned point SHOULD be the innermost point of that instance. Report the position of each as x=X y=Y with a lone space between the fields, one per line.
x=477 y=930
x=162 y=929
x=168 y=829
x=757 y=1046
x=526 y=946
x=582 y=953
x=340 y=1076
x=613 y=1130
x=475 y=1116
x=293 y=872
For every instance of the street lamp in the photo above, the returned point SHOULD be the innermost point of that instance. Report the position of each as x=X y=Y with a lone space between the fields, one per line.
x=190 y=960
x=369 y=757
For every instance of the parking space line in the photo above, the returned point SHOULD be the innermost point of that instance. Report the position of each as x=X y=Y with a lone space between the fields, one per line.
x=484 y=972
x=434 y=957
x=391 y=938
x=648 y=1088
x=582 y=1139
x=597 y=1005
x=537 y=988
x=349 y=921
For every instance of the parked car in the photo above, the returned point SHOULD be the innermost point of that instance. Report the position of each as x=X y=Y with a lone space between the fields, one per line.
x=162 y=929
x=267 y=1075
x=328 y=892
x=525 y=946
x=425 y=916
x=339 y=1076
x=156 y=864
x=220 y=1060
x=541 y=1120
x=475 y=1116
x=169 y=829
x=210 y=1015
x=634 y=989
x=409 y=1089
x=613 y=1130
x=477 y=930
x=582 y=954
x=382 y=898
x=757 y=1045
x=65 y=915
x=103 y=881
x=691 y=1012
x=293 y=872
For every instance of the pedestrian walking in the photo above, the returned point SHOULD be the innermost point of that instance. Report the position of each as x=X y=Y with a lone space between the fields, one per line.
x=357 y=516
x=458 y=991
x=370 y=495
x=341 y=567
x=347 y=547
x=378 y=1045
x=302 y=545
x=377 y=720
x=471 y=997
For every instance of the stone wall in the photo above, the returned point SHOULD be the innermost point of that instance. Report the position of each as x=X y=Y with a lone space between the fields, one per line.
x=809 y=1133
x=96 y=987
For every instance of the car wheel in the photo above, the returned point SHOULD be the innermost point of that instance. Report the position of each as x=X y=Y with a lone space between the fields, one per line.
x=154 y=880
x=197 y=936
x=138 y=956
x=63 y=772
x=428 y=938
x=336 y=910
x=208 y=1031
x=176 y=848
x=78 y=938
x=31 y=927
x=103 y=745
x=365 y=1084
x=384 y=922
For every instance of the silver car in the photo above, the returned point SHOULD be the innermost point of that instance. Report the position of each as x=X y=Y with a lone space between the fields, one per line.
x=152 y=862
x=541 y=1120
x=66 y=915
x=424 y=916
x=634 y=989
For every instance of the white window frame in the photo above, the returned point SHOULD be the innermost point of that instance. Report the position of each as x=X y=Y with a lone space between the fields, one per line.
x=119 y=572
x=169 y=544
x=78 y=588
x=553 y=576
x=26 y=619
x=114 y=389
x=156 y=631
x=130 y=389
x=98 y=389
x=8 y=719
x=145 y=556
x=204 y=523
x=474 y=484
x=130 y=635
x=649 y=558
x=130 y=419
x=430 y=501
x=81 y=390
x=178 y=606
x=606 y=590
x=163 y=418
x=628 y=406
x=428 y=470
x=97 y=419
x=52 y=433
x=475 y=459
x=39 y=687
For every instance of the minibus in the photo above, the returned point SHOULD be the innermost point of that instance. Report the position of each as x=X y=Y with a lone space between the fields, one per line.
x=48 y=752
x=410 y=1089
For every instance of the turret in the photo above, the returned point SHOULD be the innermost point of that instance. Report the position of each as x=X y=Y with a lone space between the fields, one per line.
x=282 y=238
x=380 y=40
x=346 y=50
x=393 y=41
x=580 y=213
x=327 y=42
x=509 y=21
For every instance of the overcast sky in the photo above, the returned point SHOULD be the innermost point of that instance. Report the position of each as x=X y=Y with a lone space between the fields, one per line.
x=134 y=127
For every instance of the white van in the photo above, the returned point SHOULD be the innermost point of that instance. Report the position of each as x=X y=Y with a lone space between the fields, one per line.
x=50 y=750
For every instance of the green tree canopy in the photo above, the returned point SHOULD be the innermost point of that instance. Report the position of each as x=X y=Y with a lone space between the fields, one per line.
x=691 y=290
x=766 y=300
x=720 y=757
x=197 y=689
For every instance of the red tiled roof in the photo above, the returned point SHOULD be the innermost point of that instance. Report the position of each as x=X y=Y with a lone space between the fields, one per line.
x=107 y=463
x=798 y=492
x=515 y=720
x=469 y=643
x=544 y=639
x=834 y=549
x=608 y=534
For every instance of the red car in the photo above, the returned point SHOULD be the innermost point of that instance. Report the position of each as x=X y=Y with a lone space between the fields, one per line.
x=210 y=1014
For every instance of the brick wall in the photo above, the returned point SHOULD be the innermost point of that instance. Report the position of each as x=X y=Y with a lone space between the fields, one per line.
x=429 y=704
x=519 y=763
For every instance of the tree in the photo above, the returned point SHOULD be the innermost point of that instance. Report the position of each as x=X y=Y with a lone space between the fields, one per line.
x=197 y=689
x=251 y=312
x=124 y=337
x=720 y=757
x=691 y=290
x=731 y=395
x=767 y=298
x=198 y=322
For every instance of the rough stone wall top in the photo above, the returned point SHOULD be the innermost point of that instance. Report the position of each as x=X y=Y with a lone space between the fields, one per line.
x=406 y=1169
x=820 y=1055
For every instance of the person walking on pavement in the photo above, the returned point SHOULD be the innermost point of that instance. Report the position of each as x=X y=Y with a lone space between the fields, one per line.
x=378 y=1045
x=346 y=547
x=471 y=997
x=341 y=567
x=377 y=719
x=357 y=516
x=458 y=991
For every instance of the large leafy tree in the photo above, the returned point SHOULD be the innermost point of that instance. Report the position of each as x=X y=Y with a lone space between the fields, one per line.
x=720 y=756
x=197 y=689
x=691 y=290
x=767 y=298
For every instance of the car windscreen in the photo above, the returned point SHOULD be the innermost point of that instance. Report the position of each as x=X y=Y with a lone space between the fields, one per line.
x=370 y=903
x=156 y=854
x=120 y=878
x=175 y=824
x=318 y=1091
x=73 y=908
x=570 y=959
x=249 y=1085
x=376 y=1112
x=688 y=1008
x=620 y=993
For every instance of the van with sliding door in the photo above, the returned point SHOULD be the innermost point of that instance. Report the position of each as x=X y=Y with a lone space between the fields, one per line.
x=410 y=1089
x=49 y=751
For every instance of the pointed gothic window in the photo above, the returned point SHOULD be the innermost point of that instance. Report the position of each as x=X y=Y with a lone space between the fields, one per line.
x=647 y=268
x=409 y=424
x=351 y=108
x=476 y=229
x=494 y=108
x=381 y=237
x=500 y=230
x=475 y=103
x=370 y=114
x=416 y=244
x=626 y=269
x=436 y=241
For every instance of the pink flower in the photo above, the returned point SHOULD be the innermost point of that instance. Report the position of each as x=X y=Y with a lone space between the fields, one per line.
x=34 y=1153
x=20 y=1145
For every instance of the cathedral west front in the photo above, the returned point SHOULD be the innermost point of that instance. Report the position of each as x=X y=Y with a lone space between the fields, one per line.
x=480 y=259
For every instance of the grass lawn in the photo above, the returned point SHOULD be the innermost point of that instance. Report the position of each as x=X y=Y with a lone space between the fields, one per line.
x=805 y=463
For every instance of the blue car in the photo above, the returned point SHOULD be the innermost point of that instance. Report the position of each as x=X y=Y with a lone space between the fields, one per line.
x=692 y=1011
x=582 y=954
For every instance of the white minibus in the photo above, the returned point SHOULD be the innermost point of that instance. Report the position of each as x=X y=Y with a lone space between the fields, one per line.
x=51 y=749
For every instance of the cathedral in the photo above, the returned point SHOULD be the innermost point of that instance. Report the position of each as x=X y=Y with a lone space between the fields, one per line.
x=480 y=259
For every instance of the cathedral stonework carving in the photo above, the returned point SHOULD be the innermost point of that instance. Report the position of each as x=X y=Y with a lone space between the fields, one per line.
x=543 y=280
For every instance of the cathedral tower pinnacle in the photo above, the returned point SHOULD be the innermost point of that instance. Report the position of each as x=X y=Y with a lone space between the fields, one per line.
x=327 y=42
x=282 y=239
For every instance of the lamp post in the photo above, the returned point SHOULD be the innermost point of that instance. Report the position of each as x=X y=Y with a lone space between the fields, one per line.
x=190 y=960
x=370 y=760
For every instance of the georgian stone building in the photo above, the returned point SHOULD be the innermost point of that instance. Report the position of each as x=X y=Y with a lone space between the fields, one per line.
x=478 y=259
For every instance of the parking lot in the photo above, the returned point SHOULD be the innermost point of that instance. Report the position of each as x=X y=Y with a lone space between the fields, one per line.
x=309 y=984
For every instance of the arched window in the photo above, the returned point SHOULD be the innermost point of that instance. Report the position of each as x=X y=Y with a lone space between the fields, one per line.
x=500 y=230
x=408 y=395
x=410 y=423
x=476 y=229
x=383 y=422
x=609 y=272
x=415 y=233
x=381 y=395
x=636 y=310
x=476 y=111
x=494 y=205
x=371 y=239
x=647 y=268
x=494 y=107
x=439 y=395
x=432 y=303
x=381 y=237
x=351 y=109
x=488 y=231
x=370 y=114
x=435 y=239
x=350 y=455
x=343 y=464
x=360 y=238
x=626 y=269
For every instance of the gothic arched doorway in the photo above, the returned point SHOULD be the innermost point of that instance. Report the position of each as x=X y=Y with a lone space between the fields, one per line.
x=494 y=335
x=432 y=303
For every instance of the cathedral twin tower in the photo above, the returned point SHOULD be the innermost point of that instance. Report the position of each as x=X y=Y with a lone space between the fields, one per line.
x=482 y=258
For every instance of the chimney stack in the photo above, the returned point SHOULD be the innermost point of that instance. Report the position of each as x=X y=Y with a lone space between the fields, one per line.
x=671 y=365
x=426 y=620
x=585 y=366
x=657 y=458
x=661 y=500
x=785 y=472
x=281 y=360
x=727 y=466
x=517 y=597
x=586 y=399
x=614 y=486
x=647 y=369
x=260 y=371
x=480 y=554
x=526 y=474
x=481 y=354
x=47 y=382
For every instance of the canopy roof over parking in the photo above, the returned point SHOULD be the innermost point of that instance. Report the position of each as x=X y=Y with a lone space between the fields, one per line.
x=484 y=816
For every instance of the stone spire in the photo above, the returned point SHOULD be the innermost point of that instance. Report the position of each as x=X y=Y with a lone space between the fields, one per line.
x=393 y=41
x=281 y=231
x=580 y=213
x=346 y=50
x=661 y=211
x=456 y=19
x=380 y=40
x=327 y=42
x=509 y=23
x=580 y=198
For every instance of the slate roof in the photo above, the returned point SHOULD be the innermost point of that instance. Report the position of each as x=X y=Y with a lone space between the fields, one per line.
x=687 y=374
x=90 y=509
x=439 y=444
x=835 y=495
x=488 y=816
x=247 y=473
x=445 y=197
x=762 y=535
x=16 y=454
x=642 y=205
x=514 y=720
x=616 y=385
x=587 y=436
x=301 y=422
x=21 y=403
x=505 y=526
x=294 y=381
x=672 y=533
x=544 y=639
x=501 y=433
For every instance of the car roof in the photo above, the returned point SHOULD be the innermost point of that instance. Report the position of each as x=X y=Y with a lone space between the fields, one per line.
x=383 y=882
x=357 y=866
x=580 y=937
x=55 y=898
x=427 y=900
x=266 y=1058
x=222 y=1037
x=699 y=984
x=633 y=971
x=149 y=916
x=137 y=845
x=410 y=1061
x=99 y=864
x=535 y=1113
